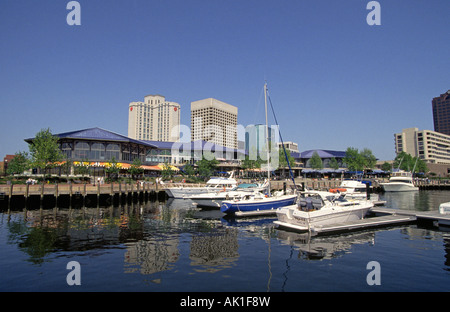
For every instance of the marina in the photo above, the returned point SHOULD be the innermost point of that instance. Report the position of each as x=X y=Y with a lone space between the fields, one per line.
x=151 y=245
x=154 y=167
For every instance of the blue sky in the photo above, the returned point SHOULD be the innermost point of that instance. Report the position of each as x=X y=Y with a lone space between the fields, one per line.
x=335 y=81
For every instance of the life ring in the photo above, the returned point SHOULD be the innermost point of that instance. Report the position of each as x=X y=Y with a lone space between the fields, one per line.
x=338 y=190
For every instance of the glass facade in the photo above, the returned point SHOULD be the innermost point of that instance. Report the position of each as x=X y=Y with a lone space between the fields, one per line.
x=102 y=151
x=441 y=113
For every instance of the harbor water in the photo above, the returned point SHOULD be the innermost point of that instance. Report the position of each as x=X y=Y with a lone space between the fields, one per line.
x=172 y=246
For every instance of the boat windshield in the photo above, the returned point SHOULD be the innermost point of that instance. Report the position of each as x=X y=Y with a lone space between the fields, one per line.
x=402 y=180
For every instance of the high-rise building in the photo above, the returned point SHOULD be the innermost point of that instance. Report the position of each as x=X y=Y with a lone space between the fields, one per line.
x=256 y=141
x=214 y=121
x=155 y=119
x=441 y=113
x=431 y=146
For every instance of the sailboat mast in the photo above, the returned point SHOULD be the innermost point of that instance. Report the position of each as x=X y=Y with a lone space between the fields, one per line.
x=267 y=138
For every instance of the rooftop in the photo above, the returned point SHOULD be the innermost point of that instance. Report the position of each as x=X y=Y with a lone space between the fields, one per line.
x=323 y=154
x=97 y=134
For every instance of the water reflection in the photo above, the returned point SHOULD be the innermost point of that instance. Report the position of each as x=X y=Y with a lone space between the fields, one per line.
x=326 y=247
x=418 y=200
x=149 y=233
x=176 y=237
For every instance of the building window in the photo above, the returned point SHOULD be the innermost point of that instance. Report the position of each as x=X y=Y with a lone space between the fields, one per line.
x=81 y=150
x=97 y=151
x=112 y=150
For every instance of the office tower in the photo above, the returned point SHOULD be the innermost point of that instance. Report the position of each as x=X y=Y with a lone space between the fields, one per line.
x=155 y=119
x=441 y=113
x=431 y=146
x=255 y=141
x=214 y=121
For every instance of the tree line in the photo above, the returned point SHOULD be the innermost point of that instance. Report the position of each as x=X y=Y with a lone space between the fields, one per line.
x=44 y=154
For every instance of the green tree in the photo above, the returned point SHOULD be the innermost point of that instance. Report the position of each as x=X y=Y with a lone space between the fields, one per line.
x=19 y=163
x=44 y=150
x=386 y=166
x=83 y=167
x=167 y=171
x=248 y=163
x=207 y=167
x=405 y=161
x=369 y=160
x=135 y=168
x=282 y=163
x=112 y=169
x=66 y=166
x=334 y=163
x=316 y=161
x=358 y=161
x=189 y=170
x=353 y=159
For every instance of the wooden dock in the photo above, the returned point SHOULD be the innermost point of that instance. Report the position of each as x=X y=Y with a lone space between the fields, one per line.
x=432 y=217
x=381 y=216
x=26 y=195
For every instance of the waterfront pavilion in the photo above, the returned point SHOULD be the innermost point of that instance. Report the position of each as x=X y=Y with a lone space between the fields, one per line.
x=98 y=147
x=325 y=155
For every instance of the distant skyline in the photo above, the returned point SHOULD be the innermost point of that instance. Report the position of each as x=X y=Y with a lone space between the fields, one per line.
x=335 y=82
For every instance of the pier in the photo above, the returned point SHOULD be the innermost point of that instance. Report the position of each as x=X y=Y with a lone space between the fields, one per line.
x=27 y=195
x=382 y=216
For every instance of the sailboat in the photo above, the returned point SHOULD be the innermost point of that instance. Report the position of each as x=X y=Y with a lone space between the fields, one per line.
x=259 y=203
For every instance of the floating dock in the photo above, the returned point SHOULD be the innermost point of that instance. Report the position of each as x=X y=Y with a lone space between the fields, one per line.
x=383 y=217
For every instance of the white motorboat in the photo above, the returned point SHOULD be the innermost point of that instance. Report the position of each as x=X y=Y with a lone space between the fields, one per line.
x=400 y=181
x=357 y=190
x=444 y=208
x=312 y=212
x=214 y=199
x=213 y=185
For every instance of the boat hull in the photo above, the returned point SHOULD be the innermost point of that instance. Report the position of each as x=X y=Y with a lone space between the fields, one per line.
x=291 y=216
x=399 y=187
x=208 y=203
x=263 y=204
x=181 y=192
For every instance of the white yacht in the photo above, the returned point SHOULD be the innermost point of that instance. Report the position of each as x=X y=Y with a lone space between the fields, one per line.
x=214 y=199
x=213 y=185
x=316 y=211
x=400 y=181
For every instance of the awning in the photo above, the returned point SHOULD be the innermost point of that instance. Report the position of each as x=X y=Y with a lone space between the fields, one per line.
x=171 y=167
x=101 y=164
x=158 y=168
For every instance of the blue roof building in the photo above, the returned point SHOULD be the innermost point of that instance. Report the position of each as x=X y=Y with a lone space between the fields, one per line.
x=325 y=155
x=182 y=152
x=99 y=145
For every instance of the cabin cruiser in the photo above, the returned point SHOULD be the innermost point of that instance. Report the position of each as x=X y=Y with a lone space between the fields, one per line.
x=357 y=190
x=400 y=181
x=317 y=210
x=213 y=185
